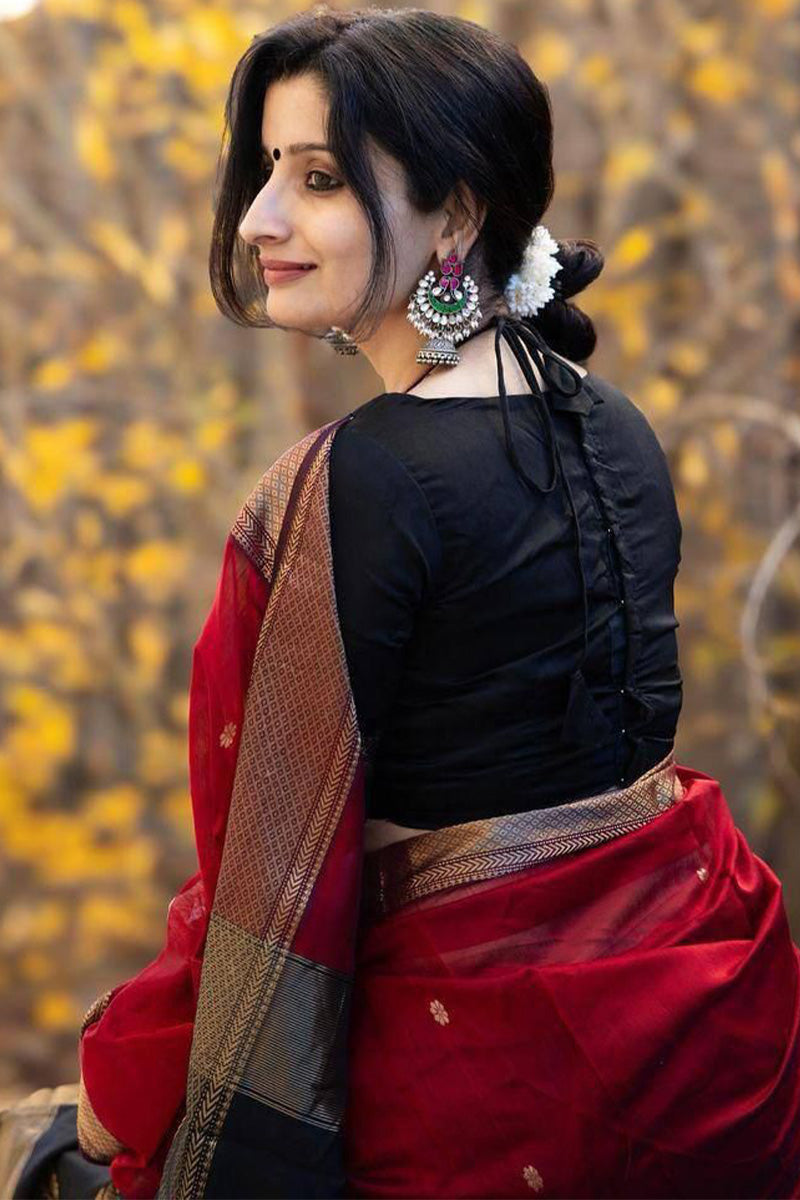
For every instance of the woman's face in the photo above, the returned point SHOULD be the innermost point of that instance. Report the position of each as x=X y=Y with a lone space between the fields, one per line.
x=305 y=213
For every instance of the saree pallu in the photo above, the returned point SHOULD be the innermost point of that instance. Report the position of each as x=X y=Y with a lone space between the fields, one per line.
x=219 y=1069
x=284 y=1041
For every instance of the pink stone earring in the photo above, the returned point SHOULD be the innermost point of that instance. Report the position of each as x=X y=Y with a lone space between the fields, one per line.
x=445 y=312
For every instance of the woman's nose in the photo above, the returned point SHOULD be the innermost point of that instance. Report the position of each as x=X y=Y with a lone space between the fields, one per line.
x=263 y=219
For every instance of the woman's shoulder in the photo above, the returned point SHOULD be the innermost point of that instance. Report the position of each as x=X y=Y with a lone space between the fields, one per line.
x=379 y=509
x=390 y=429
x=369 y=465
x=619 y=406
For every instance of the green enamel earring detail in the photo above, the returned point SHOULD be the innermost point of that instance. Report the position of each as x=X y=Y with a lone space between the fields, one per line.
x=445 y=312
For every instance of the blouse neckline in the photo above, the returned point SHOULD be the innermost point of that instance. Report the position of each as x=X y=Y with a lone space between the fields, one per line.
x=496 y=396
x=588 y=376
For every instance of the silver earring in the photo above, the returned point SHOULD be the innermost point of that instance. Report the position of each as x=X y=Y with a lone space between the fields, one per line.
x=445 y=312
x=341 y=341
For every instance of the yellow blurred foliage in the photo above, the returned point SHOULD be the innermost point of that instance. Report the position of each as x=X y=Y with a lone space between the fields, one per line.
x=36 y=966
x=93 y=146
x=479 y=11
x=148 y=446
x=119 y=807
x=17 y=655
x=156 y=568
x=62 y=851
x=722 y=79
x=53 y=374
x=765 y=807
x=58 y=653
x=177 y=809
x=212 y=434
x=150 y=645
x=688 y=358
x=693 y=465
x=550 y=53
x=179 y=709
x=85 y=10
x=163 y=756
x=631 y=250
x=188 y=160
x=32 y=924
x=727 y=439
x=777 y=8
x=56 y=1010
x=660 y=395
x=89 y=529
x=119 y=493
x=117 y=244
x=627 y=163
x=780 y=183
x=625 y=304
x=101 y=352
x=187 y=475
x=702 y=37
x=595 y=71
x=696 y=207
x=53 y=460
x=99 y=571
x=714 y=515
x=41 y=734
x=107 y=918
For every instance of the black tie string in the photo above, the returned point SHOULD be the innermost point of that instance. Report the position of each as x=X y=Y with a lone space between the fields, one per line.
x=584 y=722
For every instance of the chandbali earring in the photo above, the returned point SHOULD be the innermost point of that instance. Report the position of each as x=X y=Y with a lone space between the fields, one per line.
x=341 y=341
x=445 y=312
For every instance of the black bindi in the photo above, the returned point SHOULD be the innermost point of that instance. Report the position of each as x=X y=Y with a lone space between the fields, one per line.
x=276 y=153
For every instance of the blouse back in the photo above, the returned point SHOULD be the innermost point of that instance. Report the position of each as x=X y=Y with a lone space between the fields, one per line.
x=468 y=600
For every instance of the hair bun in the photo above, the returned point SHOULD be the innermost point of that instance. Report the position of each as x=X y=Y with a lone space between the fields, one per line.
x=564 y=326
x=581 y=260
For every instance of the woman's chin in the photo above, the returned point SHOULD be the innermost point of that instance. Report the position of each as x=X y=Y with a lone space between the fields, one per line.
x=297 y=317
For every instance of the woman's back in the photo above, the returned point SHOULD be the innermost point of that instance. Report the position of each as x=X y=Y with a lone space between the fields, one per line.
x=461 y=602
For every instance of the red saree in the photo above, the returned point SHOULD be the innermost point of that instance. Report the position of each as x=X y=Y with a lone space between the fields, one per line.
x=621 y=1021
x=592 y=1000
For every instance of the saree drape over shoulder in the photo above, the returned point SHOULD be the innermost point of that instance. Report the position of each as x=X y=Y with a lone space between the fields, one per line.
x=593 y=999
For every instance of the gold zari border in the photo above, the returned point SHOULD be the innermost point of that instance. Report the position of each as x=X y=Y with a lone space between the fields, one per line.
x=94 y=1140
x=407 y=870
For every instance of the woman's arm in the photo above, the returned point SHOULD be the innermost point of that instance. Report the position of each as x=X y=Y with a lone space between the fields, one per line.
x=386 y=559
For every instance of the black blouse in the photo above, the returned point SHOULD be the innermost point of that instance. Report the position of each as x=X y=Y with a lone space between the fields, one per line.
x=504 y=572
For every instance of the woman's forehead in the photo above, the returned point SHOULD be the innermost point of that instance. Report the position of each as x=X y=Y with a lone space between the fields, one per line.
x=294 y=112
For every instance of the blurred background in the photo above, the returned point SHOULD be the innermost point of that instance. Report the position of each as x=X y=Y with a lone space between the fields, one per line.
x=134 y=421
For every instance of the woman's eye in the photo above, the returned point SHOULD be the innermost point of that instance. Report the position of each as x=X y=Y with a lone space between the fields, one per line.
x=331 y=186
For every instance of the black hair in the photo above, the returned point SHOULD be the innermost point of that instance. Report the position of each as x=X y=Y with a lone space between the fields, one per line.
x=452 y=102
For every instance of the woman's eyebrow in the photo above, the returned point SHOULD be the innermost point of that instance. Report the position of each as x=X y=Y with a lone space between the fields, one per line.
x=301 y=147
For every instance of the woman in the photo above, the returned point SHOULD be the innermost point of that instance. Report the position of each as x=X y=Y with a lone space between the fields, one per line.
x=461 y=926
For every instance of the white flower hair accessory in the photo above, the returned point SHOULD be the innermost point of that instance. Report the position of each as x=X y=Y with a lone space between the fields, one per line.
x=530 y=289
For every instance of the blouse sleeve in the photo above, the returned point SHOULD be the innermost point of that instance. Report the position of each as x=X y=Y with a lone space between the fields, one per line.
x=386 y=557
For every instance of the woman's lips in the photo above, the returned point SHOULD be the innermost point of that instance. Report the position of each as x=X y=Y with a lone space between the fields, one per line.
x=273 y=275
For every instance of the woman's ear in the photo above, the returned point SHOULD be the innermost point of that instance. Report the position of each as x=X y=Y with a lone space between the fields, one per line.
x=464 y=217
